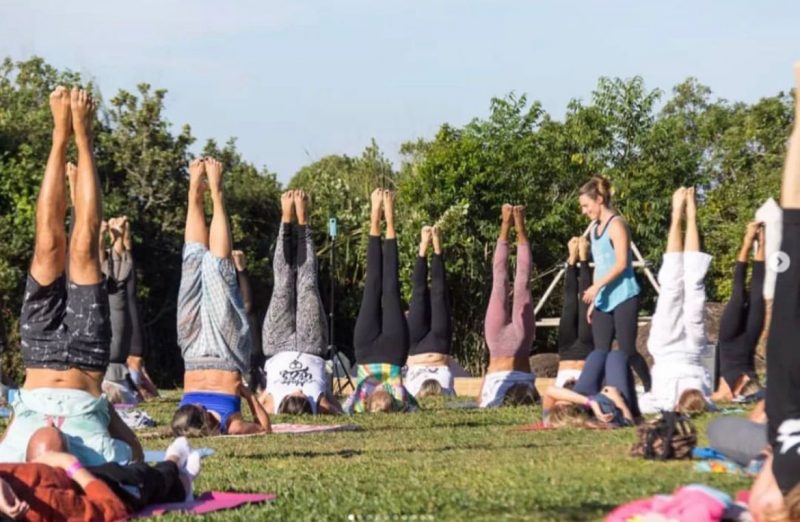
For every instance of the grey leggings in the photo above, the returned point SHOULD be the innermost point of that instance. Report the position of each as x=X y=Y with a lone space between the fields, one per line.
x=295 y=319
x=738 y=438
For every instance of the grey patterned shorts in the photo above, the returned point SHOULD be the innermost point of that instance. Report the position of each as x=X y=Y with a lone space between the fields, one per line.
x=64 y=325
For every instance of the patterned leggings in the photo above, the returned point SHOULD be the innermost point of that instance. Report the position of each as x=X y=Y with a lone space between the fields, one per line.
x=295 y=319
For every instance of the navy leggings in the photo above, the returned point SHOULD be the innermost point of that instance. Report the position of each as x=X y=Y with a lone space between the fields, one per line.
x=604 y=368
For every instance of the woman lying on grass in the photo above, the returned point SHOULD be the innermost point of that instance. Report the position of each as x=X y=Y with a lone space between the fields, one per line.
x=295 y=331
x=613 y=404
x=678 y=332
x=380 y=338
x=430 y=323
x=213 y=330
x=510 y=333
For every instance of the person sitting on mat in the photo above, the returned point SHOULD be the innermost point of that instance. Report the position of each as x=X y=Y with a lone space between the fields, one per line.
x=775 y=494
x=510 y=333
x=430 y=324
x=742 y=321
x=575 y=340
x=213 y=331
x=381 y=338
x=54 y=485
x=604 y=389
x=678 y=332
x=295 y=329
x=64 y=324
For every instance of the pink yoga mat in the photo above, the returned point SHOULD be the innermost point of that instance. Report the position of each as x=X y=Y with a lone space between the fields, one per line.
x=207 y=503
x=303 y=428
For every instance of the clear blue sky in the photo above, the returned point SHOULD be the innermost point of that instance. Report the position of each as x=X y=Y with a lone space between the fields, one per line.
x=301 y=79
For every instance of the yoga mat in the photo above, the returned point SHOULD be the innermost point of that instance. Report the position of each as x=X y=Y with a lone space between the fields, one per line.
x=207 y=503
x=299 y=429
x=159 y=456
x=463 y=405
x=540 y=426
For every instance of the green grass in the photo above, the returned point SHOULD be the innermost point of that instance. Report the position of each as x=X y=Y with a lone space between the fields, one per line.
x=436 y=464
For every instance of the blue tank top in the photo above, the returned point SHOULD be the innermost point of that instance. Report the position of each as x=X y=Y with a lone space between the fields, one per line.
x=222 y=403
x=623 y=287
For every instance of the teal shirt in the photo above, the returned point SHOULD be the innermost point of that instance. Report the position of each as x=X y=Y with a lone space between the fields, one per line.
x=625 y=285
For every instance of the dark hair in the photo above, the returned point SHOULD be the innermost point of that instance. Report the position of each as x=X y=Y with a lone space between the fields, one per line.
x=596 y=187
x=520 y=395
x=569 y=384
x=294 y=405
x=190 y=420
x=429 y=388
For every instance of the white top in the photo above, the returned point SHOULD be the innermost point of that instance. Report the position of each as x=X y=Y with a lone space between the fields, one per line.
x=289 y=372
x=416 y=375
x=496 y=384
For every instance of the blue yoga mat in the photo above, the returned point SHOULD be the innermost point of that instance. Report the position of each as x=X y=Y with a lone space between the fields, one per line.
x=159 y=455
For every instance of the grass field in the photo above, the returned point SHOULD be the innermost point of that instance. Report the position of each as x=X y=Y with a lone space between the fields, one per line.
x=436 y=464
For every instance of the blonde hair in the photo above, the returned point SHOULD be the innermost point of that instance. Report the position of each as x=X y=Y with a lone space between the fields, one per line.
x=429 y=388
x=567 y=416
x=597 y=187
x=379 y=400
x=691 y=402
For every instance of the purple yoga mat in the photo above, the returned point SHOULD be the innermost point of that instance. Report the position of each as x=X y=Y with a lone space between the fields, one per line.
x=207 y=503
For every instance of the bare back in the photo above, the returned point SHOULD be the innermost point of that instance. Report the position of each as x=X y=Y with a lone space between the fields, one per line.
x=220 y=381
x=73 y=378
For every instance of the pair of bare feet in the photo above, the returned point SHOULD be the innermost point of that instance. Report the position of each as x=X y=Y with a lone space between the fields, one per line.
x=684 y=199
x=382 y=203
x=516 y=214
x=73 y=111
x=294 y=202
x=205 y=174
x=578 y=250
x=430 y=234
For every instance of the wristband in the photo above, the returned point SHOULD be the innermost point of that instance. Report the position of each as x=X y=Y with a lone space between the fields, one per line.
x=73 y=468
x=588 y=403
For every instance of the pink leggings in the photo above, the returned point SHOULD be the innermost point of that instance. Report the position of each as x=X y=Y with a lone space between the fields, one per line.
x=510 y=334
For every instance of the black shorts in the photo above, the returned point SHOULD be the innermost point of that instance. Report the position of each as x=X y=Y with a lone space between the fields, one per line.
x=65 y=325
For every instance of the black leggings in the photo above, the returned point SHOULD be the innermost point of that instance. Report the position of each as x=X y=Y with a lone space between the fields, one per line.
x=256 y=355
x=783 y=360
x=741 y=325
x=430 y=325
x=138 y=346
x=575 y=340
x=155 y=484
x=622 y=322
x=381 y=333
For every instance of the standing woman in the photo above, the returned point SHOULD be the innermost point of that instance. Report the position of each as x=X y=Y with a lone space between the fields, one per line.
x=614 y=296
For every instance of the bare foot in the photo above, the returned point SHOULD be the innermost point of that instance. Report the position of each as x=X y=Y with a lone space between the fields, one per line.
x=583 y=248
x=425 y=240
x=506 y=216
x=436 y=235
x=238 y=260
x=761 y=237
x=82 y=107
x=388 y=212
x=376 y=200
x=572 y=246
x=678 y=201
x=287 y=203
x=691 y=204
x=62 y=113
x=519 y=224
x=197 y=178
x=72 y=176
x=300 y=206
x=214 y=174
x=751 y=232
